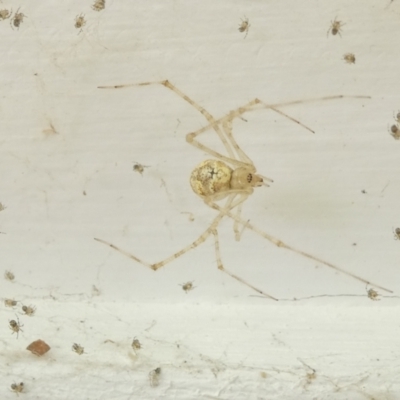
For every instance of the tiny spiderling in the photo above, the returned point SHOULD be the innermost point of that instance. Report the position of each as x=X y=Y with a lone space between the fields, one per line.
x=139 y=168
x=99 y=5
x=373 y=294
x=336 y=27
x=188 y=286
x=244 y=26
x=78 y=349
x=10 y=302
x=17 y=19
x=9 y=276
x=154 y=377
x=136 y=345
x=17 y=387
x=395 y=132
x=15 y=326
x=350 y=58
x=29 y=310
x=80 y=21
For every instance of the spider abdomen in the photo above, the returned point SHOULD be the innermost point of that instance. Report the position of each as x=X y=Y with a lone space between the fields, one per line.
x=211 y=177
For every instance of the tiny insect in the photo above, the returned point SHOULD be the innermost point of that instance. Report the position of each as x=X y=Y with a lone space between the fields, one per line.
x=17 y=388
x=99 y=5
x=38 y=347
x=5 y=14
x=78 y=349
x=244 y=26
x=80 y=22
x=29 y=310
x=17 y=19
x=395 y=132
x=9 y=276
x=10 y=302
x=335 y=28
x=154 y=377
x=139 y=168
x=15 y=326
x=188 y=286
x=136 y=345
x=350 y=58
x=397 y=117
x=397 y=233
x=373 y=294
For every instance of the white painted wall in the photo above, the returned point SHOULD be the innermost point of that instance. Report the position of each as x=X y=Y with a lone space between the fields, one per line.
x=219 y=341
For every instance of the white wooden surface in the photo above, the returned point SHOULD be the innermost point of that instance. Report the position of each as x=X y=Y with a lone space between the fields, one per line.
x=335 y=194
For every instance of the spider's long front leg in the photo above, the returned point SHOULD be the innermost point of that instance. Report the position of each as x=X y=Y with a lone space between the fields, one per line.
x=212 y=121
x=277 y=242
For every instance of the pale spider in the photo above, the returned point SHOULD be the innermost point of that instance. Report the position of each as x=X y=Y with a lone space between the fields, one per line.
x=231 y=177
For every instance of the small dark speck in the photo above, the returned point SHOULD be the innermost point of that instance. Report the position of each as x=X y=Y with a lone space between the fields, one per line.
x=363 y=191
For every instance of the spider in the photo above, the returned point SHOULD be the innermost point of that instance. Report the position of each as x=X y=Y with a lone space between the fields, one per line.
x=15 y=326
x=29 y=310
x=99 y=5
x=244 y=26
x=17 y=19
x=80 y=22
x=350 y=58
x=232 y=178
x=335 y=28
x=188 y=286
x=136 y=345
x=154 y=377
x=17 y=387
x=395 y=131
x=78 y=349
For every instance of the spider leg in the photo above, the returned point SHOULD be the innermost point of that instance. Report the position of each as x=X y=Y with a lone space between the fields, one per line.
x=232 y=275
x=202 y=238
x=212 y=122
x=212 y=229
x=277 y=242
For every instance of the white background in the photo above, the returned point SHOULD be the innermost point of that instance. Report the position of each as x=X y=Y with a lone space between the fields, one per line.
x=68 y=150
